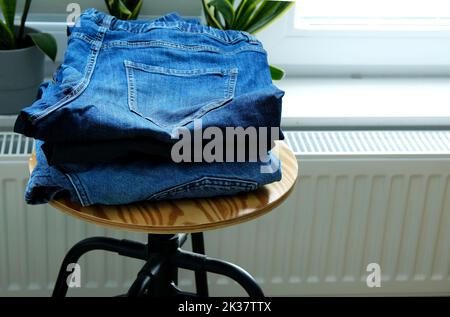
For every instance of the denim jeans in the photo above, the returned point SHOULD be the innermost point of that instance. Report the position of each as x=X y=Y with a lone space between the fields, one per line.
x=130 y=180
x=125 y=80
x=141 y=80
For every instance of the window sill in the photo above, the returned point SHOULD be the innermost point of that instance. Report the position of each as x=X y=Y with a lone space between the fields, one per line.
x=365 y=102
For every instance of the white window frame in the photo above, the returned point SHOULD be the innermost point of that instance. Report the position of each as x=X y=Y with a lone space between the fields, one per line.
x=357 y=52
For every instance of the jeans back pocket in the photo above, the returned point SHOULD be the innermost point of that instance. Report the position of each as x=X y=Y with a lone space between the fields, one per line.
x=208 y=186
x=173 y=97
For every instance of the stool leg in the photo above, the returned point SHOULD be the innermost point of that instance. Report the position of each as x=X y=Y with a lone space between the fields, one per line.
x=236 y=273
x=201 y=280
x=123 y=247
x=140 y=286
x=193 y=261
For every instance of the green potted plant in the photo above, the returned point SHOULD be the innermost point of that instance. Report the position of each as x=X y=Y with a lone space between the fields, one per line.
x=22 y=54
x=124 y=9
x=245 y=15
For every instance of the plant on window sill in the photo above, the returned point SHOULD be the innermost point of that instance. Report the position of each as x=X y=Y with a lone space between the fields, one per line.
x=245 y=15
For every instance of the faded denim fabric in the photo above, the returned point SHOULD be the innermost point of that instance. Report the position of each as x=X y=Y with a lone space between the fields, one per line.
x=126 y=80
x=142 y=79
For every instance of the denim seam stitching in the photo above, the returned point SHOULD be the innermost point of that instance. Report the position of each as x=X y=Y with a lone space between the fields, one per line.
x=240 y=183
x=85 y=194
x=81 y=195
x=203 y=186
x=220 y=39
x=183 y=26
x=205 y=109
x=79 y=89
x=150 y=27
x=220 y=181
x=132 y=92
x=187 y=187
x=132 y=95
x=171 y=71
x=195 y=48
x=232 y=82
x=131 y=88
x=178 y=26
x=81 y=36
x=228 y=95
x=190 y=186
x=208 y=107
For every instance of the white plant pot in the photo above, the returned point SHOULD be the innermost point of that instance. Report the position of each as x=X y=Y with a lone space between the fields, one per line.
x=21 y=73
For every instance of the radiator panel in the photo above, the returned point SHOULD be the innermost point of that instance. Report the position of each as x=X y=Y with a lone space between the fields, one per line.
x=347 y=211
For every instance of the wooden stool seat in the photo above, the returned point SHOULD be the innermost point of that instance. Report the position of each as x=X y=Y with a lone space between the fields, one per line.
x=189 y=215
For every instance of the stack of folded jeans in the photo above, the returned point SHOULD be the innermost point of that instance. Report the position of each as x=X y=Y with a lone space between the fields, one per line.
x=108 y=123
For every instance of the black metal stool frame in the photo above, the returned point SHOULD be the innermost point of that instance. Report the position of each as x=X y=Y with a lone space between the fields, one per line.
x=164 y=256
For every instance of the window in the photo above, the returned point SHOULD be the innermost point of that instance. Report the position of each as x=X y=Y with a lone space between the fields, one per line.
x=362 y=37
x=359 y=63
x=373 y=14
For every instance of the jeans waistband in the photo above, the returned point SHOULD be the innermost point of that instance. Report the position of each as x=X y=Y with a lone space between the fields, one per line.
x=169 y=21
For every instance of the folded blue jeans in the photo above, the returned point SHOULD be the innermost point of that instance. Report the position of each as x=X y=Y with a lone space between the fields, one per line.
x=127 y=181
x=141 y=80
x=144 y=79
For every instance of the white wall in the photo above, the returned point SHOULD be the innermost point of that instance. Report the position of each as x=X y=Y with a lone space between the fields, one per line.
x=150 y=7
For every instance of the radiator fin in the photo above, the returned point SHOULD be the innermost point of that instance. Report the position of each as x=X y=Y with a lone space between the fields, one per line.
x=13 y=144
x=369 y=142
x=343 y=215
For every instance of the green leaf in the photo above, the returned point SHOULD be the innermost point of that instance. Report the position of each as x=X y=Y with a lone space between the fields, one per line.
x=225 y=9
x=46 y=43
x=276 y=72
x=7 y=40
x=266 y=14
x=136 y=10
x=119 y=9
x=23 y=20
x=265 y=9
x=109 y=4
x=123 y=12
x=9 y=11
x=217 y=15
x=240 y=5
x=134 y=6
x=243 y=13
x=209 y=15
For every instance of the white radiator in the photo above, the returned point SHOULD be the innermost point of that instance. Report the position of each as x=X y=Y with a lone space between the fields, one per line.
x=363 y=197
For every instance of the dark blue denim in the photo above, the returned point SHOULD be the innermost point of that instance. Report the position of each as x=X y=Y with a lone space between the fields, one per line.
x=130 y=180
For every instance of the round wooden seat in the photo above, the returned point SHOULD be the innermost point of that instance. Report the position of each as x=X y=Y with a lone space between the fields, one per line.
x=190 y=215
